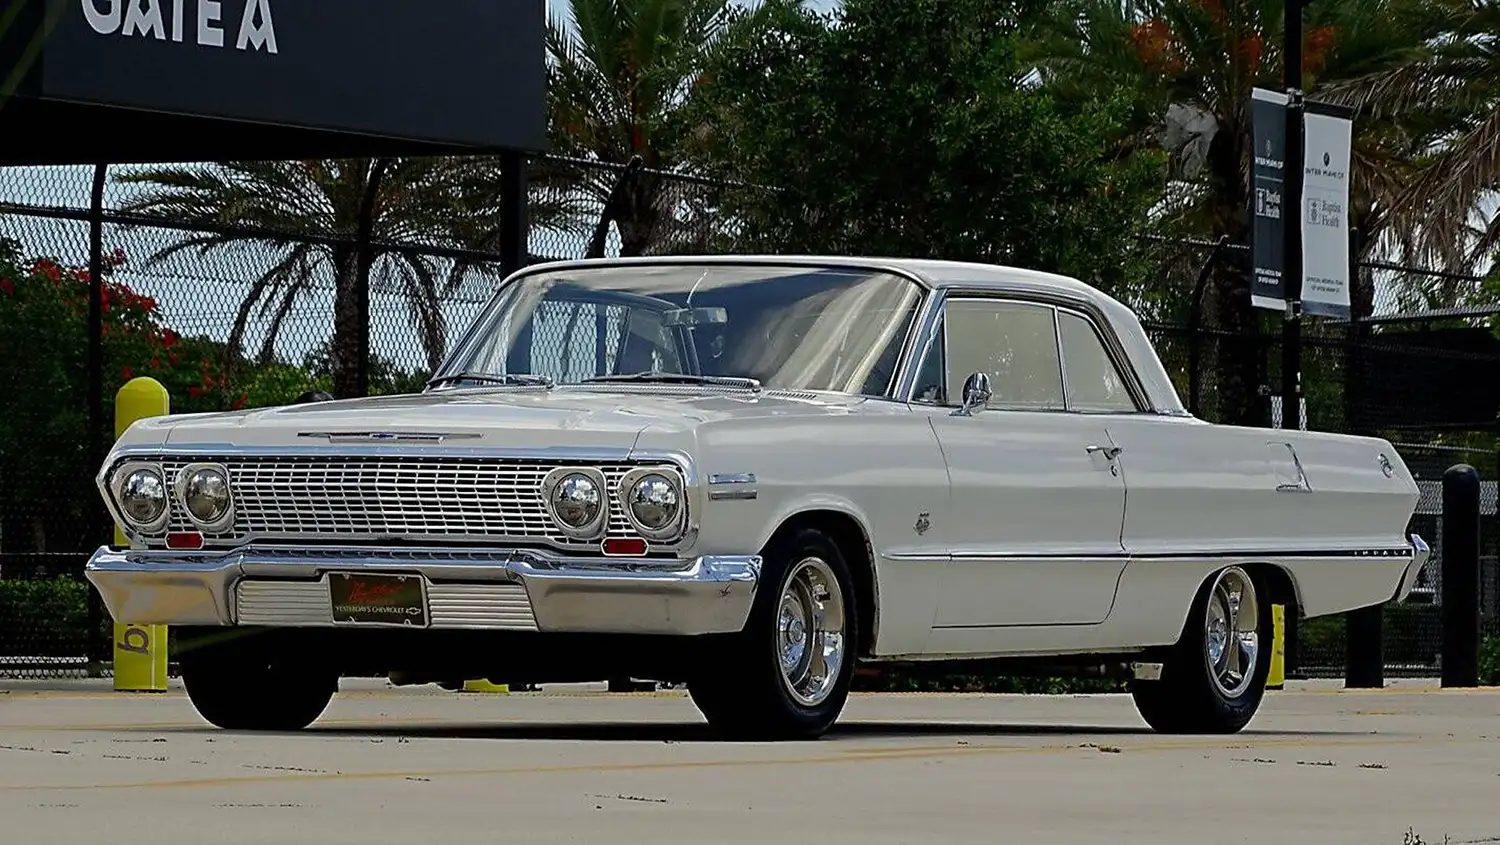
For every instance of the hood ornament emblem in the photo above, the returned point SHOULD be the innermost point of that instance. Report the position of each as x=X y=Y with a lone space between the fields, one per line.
x=388 y=436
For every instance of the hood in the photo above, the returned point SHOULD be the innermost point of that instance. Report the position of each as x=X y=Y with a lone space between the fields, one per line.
x=518 y=418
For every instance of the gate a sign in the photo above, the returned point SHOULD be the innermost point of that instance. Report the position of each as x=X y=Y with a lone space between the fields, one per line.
x=1324 y=215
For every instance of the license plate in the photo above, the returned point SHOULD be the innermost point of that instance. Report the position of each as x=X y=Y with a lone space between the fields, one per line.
x=360 y=599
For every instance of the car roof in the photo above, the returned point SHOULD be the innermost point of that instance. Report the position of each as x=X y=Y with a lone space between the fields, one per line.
x=933 y=273
x=939 y=274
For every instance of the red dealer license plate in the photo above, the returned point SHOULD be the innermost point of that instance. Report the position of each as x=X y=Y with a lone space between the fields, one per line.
x=362 y=599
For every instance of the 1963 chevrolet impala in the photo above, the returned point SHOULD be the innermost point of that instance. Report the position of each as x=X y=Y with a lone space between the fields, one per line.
x=750 y=474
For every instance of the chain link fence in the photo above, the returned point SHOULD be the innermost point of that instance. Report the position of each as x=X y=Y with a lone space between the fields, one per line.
x=260 y=307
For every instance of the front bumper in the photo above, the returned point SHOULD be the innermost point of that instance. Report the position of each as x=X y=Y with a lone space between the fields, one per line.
x=1420 y=554
x=506 y=590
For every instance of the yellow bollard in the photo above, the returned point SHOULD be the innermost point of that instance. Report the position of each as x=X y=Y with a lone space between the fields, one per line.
x=482 y=685
x=1277 y=678
x=140 y=650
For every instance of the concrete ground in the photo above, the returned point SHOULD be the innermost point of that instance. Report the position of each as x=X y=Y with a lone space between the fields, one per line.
x=82 y=764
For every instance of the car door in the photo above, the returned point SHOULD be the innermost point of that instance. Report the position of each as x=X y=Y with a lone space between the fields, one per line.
x=1037 y=504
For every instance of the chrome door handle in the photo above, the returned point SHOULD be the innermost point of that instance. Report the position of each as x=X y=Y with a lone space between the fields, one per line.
x=1110 y=452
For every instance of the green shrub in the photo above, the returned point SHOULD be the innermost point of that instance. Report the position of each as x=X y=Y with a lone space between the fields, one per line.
x=1489 y=661
x=45 y=617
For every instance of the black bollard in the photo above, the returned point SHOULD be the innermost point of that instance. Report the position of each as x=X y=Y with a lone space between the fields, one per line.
x=1460 y=562
x=1364 y=648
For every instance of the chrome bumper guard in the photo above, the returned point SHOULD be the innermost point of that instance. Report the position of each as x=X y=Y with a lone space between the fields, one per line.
x=514 y=590
x=1420 y=554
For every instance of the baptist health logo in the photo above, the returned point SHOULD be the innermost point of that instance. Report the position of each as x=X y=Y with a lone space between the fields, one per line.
x=164 y=19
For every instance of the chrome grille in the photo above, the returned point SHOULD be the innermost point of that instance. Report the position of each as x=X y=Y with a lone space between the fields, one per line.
x=353 y=498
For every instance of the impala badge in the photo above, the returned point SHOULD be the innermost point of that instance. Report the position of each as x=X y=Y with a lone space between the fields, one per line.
x=924 y=522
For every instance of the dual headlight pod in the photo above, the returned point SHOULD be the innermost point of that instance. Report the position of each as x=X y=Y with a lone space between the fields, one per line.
x=202 y=490
x=652 y=498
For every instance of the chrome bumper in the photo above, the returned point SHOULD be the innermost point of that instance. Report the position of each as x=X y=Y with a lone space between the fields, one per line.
x=483 y=590
x=1420 y=554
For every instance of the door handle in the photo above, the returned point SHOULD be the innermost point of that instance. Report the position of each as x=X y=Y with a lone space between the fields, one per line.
x=1110 y=452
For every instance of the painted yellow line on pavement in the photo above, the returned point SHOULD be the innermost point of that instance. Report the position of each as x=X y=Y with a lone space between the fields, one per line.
x=850 y=756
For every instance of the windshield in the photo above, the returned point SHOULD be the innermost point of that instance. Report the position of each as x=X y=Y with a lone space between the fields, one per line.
x=808 y=328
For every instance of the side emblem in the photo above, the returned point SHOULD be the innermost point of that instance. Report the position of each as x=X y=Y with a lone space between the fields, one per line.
x=924 y=522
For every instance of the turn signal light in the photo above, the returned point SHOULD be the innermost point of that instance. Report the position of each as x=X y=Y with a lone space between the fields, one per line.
x=185 y=540
x=624 y=547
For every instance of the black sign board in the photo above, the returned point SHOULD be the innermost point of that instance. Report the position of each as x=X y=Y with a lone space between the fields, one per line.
x=460 y=73
x=1267 y=177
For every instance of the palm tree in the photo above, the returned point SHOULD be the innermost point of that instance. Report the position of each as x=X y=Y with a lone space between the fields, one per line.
x=1195 y=63
x=307 y=213
x=1446 y=215
x=619 y=80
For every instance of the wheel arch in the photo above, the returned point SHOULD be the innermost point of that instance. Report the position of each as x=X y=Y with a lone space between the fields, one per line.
x=853 y=540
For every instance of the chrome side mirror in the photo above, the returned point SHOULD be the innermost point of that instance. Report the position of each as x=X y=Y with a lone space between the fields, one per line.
x=977 y=394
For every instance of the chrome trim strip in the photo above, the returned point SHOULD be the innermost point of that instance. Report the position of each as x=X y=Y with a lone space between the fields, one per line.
x=738 y=486
x=703 y=595
x=1405 y=551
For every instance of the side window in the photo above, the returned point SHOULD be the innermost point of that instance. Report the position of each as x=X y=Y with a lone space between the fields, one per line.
x=1014 y=343
x=1094 y=384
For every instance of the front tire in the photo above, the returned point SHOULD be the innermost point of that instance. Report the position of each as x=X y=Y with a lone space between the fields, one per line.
x=250 y=690
x=1214 y=679
x=787 y=674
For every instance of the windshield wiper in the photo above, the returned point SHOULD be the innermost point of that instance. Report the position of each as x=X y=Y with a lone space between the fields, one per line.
x=678 y=378
x=491 y=378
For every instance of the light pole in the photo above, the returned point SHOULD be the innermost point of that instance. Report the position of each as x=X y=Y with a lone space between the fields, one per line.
x=1291 y=207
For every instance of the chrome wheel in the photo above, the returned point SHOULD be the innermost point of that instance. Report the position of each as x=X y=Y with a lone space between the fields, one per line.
x=810 y=631
x=1231 y=641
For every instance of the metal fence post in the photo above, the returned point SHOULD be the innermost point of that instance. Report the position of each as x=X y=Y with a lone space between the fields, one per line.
x=514 y=249
x=365 y=261
x=1460 y=563
x=1364 y=629
x=95 y=443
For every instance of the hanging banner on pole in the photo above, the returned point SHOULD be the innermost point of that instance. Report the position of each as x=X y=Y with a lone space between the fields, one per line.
x=1328 y=133
x=1267 y=177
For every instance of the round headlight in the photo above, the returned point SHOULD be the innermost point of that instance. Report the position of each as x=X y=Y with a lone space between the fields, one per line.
x=143 y=497
x=654 y=502
x=577 y=501
x=205 y=494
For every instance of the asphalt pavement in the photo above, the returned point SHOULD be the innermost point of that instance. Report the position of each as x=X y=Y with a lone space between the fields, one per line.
x=80 y=763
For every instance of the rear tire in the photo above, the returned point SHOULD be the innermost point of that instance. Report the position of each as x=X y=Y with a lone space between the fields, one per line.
x=1214 y=678
x=250 y=690
x=787 y=674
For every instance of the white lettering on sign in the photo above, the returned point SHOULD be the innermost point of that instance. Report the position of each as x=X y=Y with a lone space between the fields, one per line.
x=260 y=36
x=209 y=34
x=146 y=18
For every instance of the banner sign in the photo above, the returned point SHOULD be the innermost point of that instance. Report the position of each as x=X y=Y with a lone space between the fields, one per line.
x=1325 y=212
x=1267 y=172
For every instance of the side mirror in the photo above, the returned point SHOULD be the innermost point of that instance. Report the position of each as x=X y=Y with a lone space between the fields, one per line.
x=977 y=394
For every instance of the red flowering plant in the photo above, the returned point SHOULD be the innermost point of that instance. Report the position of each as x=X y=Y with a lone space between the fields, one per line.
x=44 y=308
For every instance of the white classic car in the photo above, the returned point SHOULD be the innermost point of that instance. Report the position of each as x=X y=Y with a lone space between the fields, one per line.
x=750 y=474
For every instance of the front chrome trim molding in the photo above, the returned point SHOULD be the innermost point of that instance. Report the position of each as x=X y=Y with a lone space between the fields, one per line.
x=727 y=486
x=474 y=589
